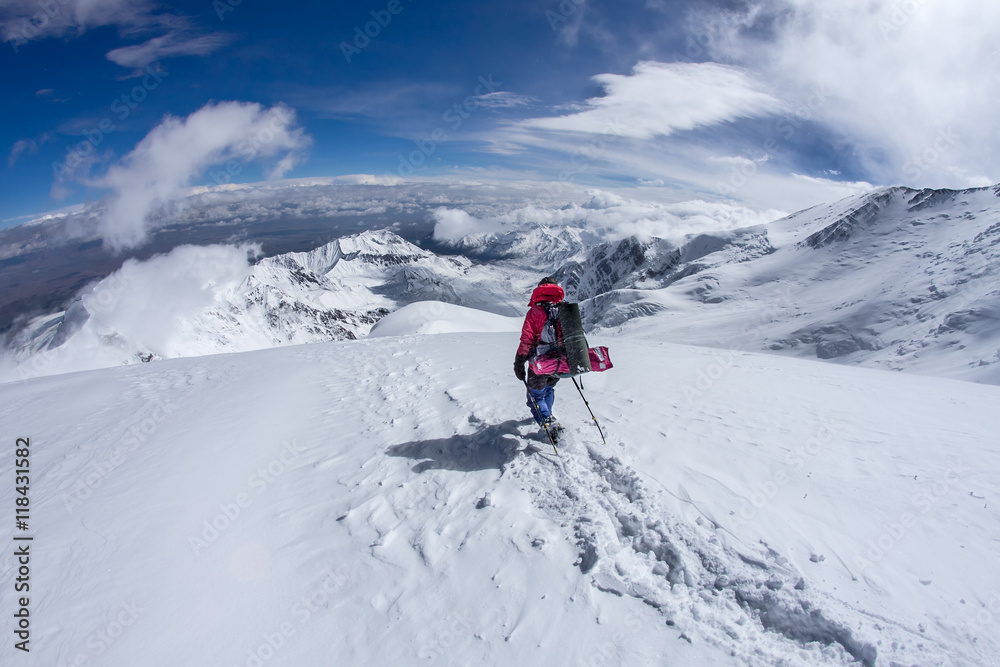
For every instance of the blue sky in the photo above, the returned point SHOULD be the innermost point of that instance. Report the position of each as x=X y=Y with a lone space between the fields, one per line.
x=772 y=104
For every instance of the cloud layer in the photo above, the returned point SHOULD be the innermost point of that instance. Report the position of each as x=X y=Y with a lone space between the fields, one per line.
x=659 y=99
x=800 y=102
x=23 y=21
x=700 y=130
x=178 y=150
x=912 y=86
x=174 y=43
x=605 y=215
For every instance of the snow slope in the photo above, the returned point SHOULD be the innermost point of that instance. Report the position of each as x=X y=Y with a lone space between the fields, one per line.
x=434 y=317
x=386 y=501
x=900 y=279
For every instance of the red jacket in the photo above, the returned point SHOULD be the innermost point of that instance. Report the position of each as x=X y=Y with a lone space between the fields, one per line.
x=535 y=320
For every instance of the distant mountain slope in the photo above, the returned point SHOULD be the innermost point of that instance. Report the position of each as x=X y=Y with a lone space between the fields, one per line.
x=899 y=278
x=207 y=300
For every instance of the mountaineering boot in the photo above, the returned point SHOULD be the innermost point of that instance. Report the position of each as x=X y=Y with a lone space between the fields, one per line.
x=553 y=427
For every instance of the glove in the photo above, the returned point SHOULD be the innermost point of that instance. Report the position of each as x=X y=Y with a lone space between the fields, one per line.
x=519 y=367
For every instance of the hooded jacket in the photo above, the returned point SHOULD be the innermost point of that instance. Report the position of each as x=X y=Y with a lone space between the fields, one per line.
x=534 y=321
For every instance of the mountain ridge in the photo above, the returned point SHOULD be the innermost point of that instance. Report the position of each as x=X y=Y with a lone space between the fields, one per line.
x=898 y=278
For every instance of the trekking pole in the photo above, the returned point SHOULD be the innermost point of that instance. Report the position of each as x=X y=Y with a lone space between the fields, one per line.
x=538 y=412
x=599 y=429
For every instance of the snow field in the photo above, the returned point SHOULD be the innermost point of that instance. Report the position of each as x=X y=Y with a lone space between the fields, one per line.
x=387 y=501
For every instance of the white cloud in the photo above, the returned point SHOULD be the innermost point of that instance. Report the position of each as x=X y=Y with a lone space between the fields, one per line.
x=171 y=45
x=687 y=167
x=659 y=99
x=838 y=189
x=20 y=147
x=378 y=99
x=178 y=150
x=607 y=215
x=503 y=100
x=453 y=224
x=843 y=92
x=22 y=21
x=912 y=86
x=636 y=133
x=366 y=179
x=154 y=301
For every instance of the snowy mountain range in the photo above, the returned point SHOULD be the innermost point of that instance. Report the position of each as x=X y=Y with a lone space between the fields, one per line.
x=898 y=278
x=208 y=300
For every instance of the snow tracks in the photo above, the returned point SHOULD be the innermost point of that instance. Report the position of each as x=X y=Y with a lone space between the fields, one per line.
x=631 y=543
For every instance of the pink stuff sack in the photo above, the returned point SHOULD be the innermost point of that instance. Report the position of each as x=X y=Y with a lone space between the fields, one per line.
x=599 y=359
x=549 y=366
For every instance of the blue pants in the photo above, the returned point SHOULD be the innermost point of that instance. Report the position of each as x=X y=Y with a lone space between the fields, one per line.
x=543 y=398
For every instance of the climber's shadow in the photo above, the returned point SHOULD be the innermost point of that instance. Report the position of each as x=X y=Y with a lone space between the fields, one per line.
x=489 y=448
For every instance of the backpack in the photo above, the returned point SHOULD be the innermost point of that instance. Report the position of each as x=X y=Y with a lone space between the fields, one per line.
x=562 y=346
x=550 y=341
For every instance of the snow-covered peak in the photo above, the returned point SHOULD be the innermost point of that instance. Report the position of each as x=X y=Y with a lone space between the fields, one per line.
x=356 y=254
x=899 y=278
x=379 y=245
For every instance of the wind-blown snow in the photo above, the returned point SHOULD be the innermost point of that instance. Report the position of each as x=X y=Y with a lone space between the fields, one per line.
x=387 y=501
x=208 y=300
